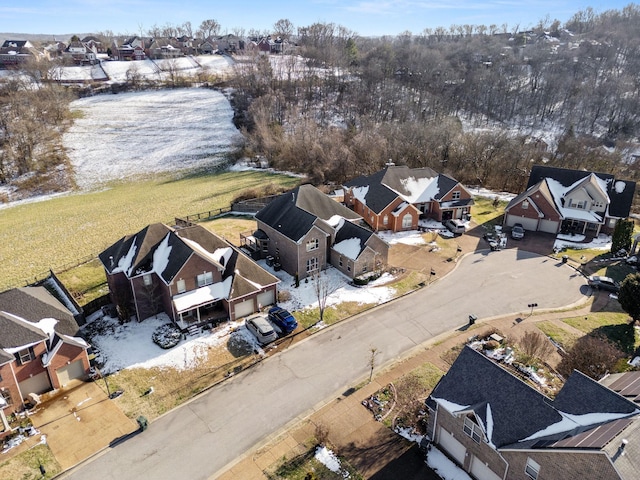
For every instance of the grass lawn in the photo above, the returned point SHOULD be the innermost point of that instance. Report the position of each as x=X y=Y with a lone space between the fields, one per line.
x=487 y=212
x=305 y=466
x=558 y=334
x=35 y=237
x=26 y=465
x=616 y=326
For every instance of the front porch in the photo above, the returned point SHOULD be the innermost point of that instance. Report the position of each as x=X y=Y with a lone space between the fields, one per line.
x=212 y=315
x=572 y=226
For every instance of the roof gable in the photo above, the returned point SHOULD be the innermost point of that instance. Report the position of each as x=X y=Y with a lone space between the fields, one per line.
x=35 y=303
x=351 y=239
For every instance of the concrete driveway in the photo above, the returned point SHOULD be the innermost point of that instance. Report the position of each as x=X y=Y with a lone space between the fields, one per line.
x=81 y=422
x=214 y=430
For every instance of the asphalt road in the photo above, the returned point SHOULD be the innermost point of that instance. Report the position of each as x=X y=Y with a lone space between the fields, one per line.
x=204 y=436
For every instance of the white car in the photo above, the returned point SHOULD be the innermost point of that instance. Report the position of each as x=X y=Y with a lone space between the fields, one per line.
x=261 y=329
x=455 y=226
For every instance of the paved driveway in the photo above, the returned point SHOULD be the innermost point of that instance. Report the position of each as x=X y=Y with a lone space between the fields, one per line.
x=212 y=431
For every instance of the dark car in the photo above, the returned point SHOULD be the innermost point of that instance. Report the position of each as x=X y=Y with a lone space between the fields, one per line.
x=283 y=319
x=517 y=231
x=603 y=283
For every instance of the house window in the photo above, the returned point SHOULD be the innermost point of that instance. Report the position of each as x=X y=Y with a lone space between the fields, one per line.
x=6 y=395
x=147 y=280
x=532 y=469
x=340 y=261
x=312 y=264
x=312 y=244
x=581 y=205
x=26 y=355
x=182 y=286
x=407 y=221
x=525 y=204
x=385 y=220
x=597 y=205
x=472 y=429
x=364 y=269
x=205 y=278
x=455 y=195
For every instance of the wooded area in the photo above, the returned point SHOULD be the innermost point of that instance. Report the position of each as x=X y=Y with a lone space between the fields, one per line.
x=481 y=103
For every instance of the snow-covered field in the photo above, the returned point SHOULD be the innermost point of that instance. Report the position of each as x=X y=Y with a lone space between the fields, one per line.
x=120 y=136
x=130 y=345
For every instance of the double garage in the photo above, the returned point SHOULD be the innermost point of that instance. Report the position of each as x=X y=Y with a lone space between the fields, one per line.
x=533 y=224
x=247 y=307
x=40 y=383
x=458 y=452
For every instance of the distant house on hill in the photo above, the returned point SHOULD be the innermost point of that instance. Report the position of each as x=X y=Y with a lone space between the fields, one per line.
x=16 y=52
x=570 y=201
x=304 y=230
x=495 y=426
x=189 y=273
x=395 y=198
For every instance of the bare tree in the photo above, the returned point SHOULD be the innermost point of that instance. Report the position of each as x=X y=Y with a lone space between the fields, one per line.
x=536 y=345
x=592 y=355
x=283 y=28
x=209 y=28
x=373 y=353
x=323 y=287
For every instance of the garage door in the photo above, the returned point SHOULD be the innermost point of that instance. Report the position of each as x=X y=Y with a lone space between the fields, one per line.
x=453 y=447
x=482 y=471
x=242 y=309
x=548 y=226
x=266 y=298
x=527 y=223
x=37 y=384
x=70 y=372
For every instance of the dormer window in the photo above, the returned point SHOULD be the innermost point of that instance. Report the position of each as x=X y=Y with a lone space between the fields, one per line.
x=455 y=195
x=472 y=429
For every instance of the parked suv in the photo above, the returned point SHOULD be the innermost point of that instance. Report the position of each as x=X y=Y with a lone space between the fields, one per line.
x=603 y=283
x=283 y=319
x=261 y=329
x=455 y=225
x=517 y=231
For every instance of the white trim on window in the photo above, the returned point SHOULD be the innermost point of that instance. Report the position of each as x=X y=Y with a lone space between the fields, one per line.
x=532 y=469
x=472 y=429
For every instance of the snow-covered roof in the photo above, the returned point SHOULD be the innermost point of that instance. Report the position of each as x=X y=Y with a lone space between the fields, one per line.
x=350 y=248
x=203 y=295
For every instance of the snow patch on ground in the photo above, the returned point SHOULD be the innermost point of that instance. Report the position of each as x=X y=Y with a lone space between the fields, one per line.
x=601 y=242
x=412 y=237
x=328 y=459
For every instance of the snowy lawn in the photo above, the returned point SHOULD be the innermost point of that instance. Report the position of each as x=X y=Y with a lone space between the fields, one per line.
x=576 y=242
x=143 y=133
x=130 y=345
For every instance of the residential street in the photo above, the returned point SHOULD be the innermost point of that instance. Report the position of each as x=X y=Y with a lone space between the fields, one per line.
x=204 y=436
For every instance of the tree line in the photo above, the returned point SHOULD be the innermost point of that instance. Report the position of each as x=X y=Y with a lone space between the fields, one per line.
x=481 y=103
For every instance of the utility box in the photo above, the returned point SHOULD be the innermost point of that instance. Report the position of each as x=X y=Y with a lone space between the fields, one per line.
x=143 y=423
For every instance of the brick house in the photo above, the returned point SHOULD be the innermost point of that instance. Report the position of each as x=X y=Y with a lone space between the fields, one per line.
x=304 y=230
x=189 y=273
x=17 y=52
x=397 y=197
x=495 y=426
x=559 y=200
x=39 y=348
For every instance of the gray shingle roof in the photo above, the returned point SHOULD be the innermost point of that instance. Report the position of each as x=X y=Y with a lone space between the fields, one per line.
x=621 y=198
x=17 y=333
x=518 y=411
x=34 y=304
x=350 y=230
x=294 y=213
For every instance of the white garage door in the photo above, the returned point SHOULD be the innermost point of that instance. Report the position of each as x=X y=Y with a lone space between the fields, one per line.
x=242 y=309
x=70 y=372
x=266 y=298
x=37 y=384
x=548 y=226
x=527 y=223
x=452 y=446
x=482 y=471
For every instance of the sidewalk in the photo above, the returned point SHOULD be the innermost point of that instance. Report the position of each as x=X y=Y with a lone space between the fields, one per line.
x=365 y=442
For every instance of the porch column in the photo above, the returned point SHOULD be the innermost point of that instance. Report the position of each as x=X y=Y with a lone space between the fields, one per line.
x=5 y=424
